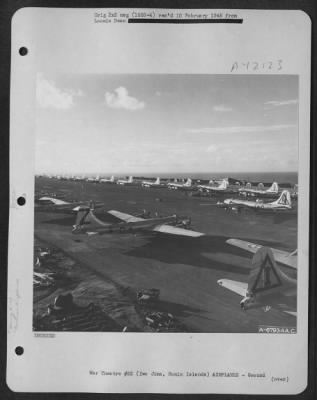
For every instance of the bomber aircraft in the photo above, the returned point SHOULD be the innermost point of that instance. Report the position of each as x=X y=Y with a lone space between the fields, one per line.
x=282 y=204
x=93 y=180
x=125 y=181
x=222 y=188
x=157 y=184
x=181 y=186
x=87 y=222
x=268 y=287
x=106 y=180
x=273 y=191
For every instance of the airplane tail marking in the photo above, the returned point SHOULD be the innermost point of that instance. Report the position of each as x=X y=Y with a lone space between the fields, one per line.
x=265 y=274
x=82 y=214
x=284 y=199
x=86 y=216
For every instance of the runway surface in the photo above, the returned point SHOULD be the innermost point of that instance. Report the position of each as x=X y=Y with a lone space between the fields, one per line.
x=112 y=267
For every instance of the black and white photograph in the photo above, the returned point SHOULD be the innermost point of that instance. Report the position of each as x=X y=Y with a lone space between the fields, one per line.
x=159 y=201
x=166 y=203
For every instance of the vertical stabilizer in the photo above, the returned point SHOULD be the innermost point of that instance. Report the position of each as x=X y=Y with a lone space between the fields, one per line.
x=284 y=199
x=157 y=182
x=82 y=214
x=273 y=188
x=188 y=182
x=130 y=180
x=265 y=274
x=224 y=184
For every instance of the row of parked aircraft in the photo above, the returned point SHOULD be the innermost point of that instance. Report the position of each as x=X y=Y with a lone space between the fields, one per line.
x=267 y=287
x=214 y=187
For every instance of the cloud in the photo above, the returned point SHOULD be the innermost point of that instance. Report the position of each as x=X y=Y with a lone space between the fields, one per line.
x=242 y=129
x=48 y=95
x=221 y=108
x=121 y=99
x=280 y=103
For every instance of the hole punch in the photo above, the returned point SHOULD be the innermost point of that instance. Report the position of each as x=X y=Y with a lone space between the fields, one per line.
x=23 y=51
x=21 y=201
x=19 y=350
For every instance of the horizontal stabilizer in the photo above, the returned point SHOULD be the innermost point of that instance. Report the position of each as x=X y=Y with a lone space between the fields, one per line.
x=125 y=217
x=293 y=313
x=174 y=230
x=282 y=257
x=235 y=286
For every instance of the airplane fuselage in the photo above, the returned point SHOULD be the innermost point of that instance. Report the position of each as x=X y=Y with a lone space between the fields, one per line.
x=257 y=205
x=258 y=193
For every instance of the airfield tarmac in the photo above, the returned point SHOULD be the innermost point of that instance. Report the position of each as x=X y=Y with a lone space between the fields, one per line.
x=113 y=267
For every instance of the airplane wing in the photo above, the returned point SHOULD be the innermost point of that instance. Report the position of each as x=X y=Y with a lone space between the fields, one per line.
x=282 y=257
x=174 y=230
x=235 y=286
x=54 y=200
x=293 y=313
x=125 y=217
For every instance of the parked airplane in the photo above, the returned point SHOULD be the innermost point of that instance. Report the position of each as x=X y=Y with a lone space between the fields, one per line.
x=94 y=180
x=223 y=187
x=268 y=287
x=125 y=181
x=106 y=180
x=181 y=186
x=53 y=204
x=273 y=191
x=283 y=203
x=282 y=257
x=156 y=184
x=79 y=178
x=87 y=222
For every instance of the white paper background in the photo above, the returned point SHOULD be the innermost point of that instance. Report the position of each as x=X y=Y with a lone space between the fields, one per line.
x=69 y=41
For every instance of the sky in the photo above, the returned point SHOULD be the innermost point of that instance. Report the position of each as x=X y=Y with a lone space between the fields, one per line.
x=146 y=124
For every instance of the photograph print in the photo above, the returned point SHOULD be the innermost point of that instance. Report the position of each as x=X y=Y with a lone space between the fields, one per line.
x=166 y=203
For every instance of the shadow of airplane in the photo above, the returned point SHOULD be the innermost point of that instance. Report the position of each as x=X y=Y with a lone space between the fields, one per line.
x=190 y=251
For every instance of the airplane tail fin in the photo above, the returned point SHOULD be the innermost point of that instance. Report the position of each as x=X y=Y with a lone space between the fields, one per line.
x=112 y=179
x=81 y=216
x=265 y=274
x=273 y=188
x=157 y=182
x=130 y=180
x=265 y=278
x=224 y=184
x=284 y=199
x=189 y=182
x=86 y=217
